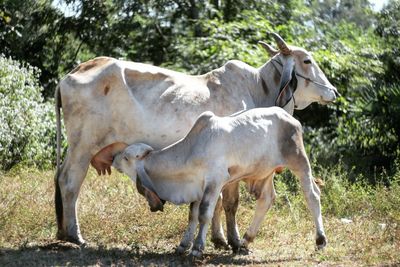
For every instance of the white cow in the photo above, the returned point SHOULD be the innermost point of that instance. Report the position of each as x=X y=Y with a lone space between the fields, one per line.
x=106 y=100
x=218 y=151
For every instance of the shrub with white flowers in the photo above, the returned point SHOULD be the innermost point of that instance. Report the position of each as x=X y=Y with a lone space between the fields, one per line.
x=27 y=127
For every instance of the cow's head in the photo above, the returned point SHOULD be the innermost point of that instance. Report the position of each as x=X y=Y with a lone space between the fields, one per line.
x=300 y=77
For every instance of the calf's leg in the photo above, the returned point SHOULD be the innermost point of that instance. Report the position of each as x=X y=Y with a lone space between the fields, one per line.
x=206 y=208
x=302 y=169
x=187 y=239
x=312 y=195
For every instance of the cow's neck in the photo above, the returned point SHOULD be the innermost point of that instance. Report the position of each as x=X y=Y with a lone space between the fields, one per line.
x=268 y=83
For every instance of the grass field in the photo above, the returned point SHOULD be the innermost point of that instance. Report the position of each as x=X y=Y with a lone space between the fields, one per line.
x=120 y=229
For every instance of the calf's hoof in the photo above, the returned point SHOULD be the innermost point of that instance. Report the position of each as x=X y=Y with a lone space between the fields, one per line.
x=241 y=250
x=321 y=242
x=182 y=249
x=196 y=253
x=220 y=243
x=240 y=247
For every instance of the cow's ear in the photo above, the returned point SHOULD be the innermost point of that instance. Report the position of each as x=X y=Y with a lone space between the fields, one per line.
x=271 y=51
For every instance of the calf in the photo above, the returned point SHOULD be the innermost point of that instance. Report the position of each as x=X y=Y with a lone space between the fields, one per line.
x=218 y=151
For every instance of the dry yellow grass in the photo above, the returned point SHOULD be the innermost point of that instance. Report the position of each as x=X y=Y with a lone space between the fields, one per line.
x=121 y=230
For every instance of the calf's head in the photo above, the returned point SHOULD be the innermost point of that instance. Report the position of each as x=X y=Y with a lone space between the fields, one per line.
x=129 y=159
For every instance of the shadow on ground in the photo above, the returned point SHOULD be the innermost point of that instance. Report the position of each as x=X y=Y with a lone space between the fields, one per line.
x=63 y=254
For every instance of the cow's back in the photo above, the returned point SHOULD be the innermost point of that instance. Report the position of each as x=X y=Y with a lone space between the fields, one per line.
x=106 y=100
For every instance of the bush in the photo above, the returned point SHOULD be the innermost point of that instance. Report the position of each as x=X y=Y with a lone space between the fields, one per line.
x=363 y=134
x=27 y=130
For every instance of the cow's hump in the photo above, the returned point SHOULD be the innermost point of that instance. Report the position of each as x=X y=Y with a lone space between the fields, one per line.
x=92 y=64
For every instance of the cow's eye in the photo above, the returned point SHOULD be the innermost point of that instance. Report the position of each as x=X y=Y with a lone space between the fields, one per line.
x=307 y=61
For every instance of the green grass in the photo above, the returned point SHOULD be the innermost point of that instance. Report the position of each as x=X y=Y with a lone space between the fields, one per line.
x=121 y=230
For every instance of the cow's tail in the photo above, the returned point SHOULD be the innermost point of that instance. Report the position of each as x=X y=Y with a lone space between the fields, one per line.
x=58 y=199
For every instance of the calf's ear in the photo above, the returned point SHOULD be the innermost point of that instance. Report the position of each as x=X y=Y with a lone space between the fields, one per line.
x=146 y=150
x=155 y=203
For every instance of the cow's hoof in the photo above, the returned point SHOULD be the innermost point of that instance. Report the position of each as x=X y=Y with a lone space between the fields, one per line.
x=182 y=249
x=196 y=253
x=321 y=242
x=242 y=250
x=220 y=243
x=78 y=240
x=235 y=245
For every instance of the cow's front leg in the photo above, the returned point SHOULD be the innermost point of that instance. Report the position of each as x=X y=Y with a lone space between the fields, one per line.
x=206 y=209
x=265 y=197
x=187 y=239
x=68 y=183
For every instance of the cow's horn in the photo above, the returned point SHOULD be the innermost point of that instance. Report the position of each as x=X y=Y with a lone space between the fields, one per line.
x=281 y=44
x=271 y=51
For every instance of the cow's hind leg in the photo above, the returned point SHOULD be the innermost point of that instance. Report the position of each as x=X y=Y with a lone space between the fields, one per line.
x=68 y=183
x=230 y=202
x=265 y=194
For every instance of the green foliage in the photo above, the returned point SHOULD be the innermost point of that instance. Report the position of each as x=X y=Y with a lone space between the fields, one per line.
x=371 y=126
x=27 y=131
x=388 y=28
x=366 y=133
x=344 y=199
x=361 y=129
x=33 y=32
x=221 y=42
